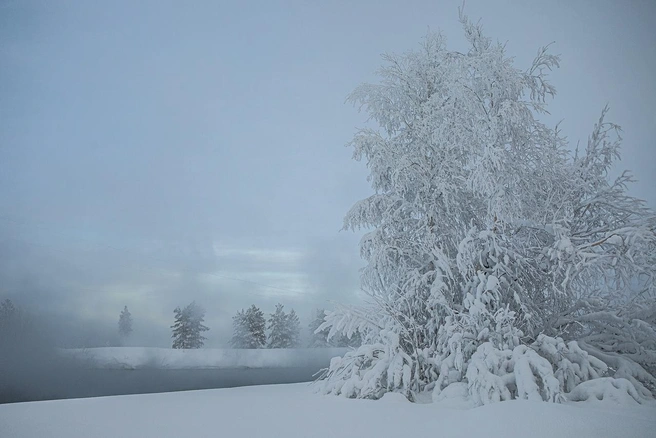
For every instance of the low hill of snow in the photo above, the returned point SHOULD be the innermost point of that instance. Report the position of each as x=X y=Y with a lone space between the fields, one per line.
x=295 y=411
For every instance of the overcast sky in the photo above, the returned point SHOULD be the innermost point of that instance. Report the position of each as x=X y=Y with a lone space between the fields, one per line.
x=154 y=152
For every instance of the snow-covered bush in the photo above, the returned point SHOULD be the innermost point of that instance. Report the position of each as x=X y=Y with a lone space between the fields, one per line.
x=606 y=388
x=496 y=257
x=371 y=370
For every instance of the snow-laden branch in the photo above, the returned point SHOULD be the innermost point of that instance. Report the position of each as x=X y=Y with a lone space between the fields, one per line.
x=495 y=257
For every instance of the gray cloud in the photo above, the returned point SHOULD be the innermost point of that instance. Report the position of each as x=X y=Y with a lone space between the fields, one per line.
x=153 y=154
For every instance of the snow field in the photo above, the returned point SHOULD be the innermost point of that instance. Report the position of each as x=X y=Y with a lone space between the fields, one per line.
x=296 y=411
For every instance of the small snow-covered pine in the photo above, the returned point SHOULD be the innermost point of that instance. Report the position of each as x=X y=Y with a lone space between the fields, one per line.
x=293 y=329
x=283 y=328
x=188 y=327
x=277 y=328
x=240 y=334
x=248 y=328
x=125 y=323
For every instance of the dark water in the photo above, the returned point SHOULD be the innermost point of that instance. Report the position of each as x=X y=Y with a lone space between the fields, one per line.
x=103 y=382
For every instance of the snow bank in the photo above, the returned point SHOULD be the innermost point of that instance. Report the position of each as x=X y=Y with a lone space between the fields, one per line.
x=168 y=358
x=295 y=411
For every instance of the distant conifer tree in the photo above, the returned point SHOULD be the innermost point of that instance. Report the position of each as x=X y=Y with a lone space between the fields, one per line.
x=188 y=327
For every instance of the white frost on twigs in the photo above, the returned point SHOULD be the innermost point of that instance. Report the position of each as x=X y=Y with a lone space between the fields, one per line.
x=495 y=256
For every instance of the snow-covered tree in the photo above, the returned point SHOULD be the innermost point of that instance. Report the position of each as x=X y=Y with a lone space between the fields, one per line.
x=318 y=339
x=497 y=258
x=277 y=327
x=125 y=323
x=249 y=329
x=284 y=328
x=240 y=333
x=188 y=327
x=293 y=329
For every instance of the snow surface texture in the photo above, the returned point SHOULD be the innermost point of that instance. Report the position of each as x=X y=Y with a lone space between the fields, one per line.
x=143 y=357
x=294 y=411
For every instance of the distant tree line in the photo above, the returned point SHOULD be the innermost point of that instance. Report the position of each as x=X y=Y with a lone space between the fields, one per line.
x=282 y=330
x=251 y=328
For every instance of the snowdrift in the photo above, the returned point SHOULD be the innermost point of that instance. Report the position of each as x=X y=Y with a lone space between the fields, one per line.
x=295 y=411
x=167 y=358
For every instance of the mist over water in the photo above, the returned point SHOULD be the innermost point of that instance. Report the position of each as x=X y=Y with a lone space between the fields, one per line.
x=74 y=380
x=33 y=367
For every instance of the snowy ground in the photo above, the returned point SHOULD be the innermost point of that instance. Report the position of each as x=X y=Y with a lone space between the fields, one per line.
x=295 y=411
x=168 y=358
